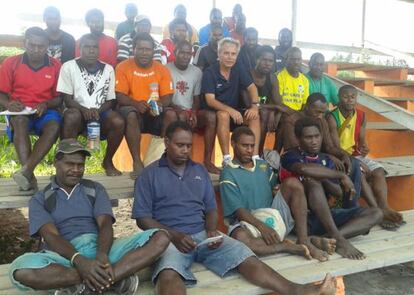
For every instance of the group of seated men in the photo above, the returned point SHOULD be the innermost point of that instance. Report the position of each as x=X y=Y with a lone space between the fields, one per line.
x=248 y=89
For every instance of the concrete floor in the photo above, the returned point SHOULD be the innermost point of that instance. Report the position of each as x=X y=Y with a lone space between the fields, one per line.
x=393 y=280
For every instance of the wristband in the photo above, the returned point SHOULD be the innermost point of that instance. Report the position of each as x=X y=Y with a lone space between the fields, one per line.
x=73 y=258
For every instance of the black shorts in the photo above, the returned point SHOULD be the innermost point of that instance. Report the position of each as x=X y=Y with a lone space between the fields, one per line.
x=147 y=123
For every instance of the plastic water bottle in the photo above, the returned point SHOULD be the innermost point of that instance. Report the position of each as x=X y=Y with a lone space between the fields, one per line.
x=154 y=97
x=94 y=135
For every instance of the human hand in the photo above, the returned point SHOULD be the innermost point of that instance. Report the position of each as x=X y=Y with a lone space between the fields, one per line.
x=15 y=106
x=142 y=107
x=269 y=235
x=104 y=260
x=192 y=119
x=184 y=243
x=363 y=150
x=339 y=165
x=347 y=163
x=348 y=186
x=94 y=114
x=271 y=122
x=252 y=113
x=93 y=273
x=236 y=116
x=41 y=108
x=216 y=244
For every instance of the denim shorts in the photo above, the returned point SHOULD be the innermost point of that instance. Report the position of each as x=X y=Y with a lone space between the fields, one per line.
x=280 y=205
x=86 y=245
x=339 y=215
x=36 y=124
x=221 y=261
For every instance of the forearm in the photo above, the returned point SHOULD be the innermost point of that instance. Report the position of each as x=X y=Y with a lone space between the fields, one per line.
x=211 y=221
x=149 y=223
x=196 y=103
x=58 y=244
x=317 y=171
x=71 y=103
x=166 y=100
x=124 y=100
x=105 y=238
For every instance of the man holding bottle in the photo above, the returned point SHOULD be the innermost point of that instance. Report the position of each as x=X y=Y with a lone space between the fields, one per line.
x=144 y=92
x=88 y=88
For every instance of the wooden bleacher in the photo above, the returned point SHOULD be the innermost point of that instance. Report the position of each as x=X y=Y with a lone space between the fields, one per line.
x=382 y=248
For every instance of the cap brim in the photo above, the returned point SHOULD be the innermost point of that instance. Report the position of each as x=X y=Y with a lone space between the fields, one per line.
x=85 y=151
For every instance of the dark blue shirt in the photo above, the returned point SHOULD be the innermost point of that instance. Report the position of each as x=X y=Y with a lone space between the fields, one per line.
x=204 y=34
x=179 y=202
x=226 y=91
x=73 y=215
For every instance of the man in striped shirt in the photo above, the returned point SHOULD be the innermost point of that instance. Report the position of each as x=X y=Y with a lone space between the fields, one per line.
x=125 y=44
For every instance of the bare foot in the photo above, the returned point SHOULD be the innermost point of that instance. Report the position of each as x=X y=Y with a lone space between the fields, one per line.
x=327 y=287
x=211 y=167
x=392 y=215
x=317 y=253
x=288 y=246
x=110 y=169
x=325 y=244
x=346 y=250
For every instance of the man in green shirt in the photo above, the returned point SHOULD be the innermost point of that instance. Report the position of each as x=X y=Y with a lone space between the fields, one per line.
x=247 y=185
x=318 y=82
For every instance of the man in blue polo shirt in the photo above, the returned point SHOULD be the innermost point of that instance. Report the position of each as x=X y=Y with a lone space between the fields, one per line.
x=222 y=85
x=176 y=194
x=216 y=19
x=74 y=217
x=28 y=88
x=246 y=185
x=317 y=173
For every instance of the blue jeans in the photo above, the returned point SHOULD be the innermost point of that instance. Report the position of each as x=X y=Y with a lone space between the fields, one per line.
x=356 y=179
x=86 y=245
x=225 y=258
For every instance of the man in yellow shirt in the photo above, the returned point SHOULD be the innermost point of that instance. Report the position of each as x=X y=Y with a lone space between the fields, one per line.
x=293 y=85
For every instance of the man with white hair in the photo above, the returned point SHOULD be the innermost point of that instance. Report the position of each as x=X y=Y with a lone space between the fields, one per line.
x=222 y=85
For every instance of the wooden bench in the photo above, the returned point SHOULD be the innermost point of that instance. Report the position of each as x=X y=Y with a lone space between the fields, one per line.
x=382 y=248
x=122 y=186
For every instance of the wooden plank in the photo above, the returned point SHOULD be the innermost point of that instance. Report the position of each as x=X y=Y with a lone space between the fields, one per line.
x=385 y=126
x=380 y=82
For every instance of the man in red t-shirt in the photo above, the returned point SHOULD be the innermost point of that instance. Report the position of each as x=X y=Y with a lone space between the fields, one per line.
x=108 y=46
x=178 y=34
x=28 y=82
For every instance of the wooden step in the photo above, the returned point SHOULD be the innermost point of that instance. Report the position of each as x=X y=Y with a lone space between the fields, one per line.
x=379 y=81
x=385 y=126
x=382 y=248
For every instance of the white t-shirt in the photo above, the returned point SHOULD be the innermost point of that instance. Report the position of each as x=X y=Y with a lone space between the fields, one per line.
x=90 y=90
x=186 y=84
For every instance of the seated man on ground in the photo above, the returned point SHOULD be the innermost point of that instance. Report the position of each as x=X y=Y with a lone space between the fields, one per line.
x=318 y=82
x=222 y=85
x=107 y=45
x=320 y=179
x=29 y=80
x=178 y=34
x=247 y=185
x=74 y=217
x=88 y=89
x=139 y=82
x=186 y=99
x=125 y=44
x=207 y=54
x=316 y=108
x=347 y=126
x=176 y=194
x=61 y=44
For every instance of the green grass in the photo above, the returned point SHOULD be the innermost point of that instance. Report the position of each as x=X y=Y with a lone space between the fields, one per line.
x=10 y=51
x=9 y=161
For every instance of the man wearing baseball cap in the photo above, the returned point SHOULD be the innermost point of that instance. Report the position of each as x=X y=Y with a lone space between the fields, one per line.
x=125 y=44
x=74 y=217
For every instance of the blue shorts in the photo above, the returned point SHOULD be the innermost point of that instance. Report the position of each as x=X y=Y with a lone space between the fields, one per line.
x=86 y=245
x=36 y=124
x=220 y=261
x=339 y=215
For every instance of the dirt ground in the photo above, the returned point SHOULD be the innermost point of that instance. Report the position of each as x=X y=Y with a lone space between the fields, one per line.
x=14 y=241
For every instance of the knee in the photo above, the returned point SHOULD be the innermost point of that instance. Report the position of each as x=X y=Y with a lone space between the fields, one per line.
x=161 y=240
x=293 y=185
x=170 y=116
x=132 y=119
x=378 y=173
x=72 y=116
x=19 y=121
x=223 y=117
x=376 y=215
x=117 y=123
x=169 y=277
x=241 y=235
x=25 y=276
x=51 y=128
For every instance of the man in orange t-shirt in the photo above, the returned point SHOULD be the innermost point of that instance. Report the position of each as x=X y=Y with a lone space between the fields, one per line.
x=140 y=80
